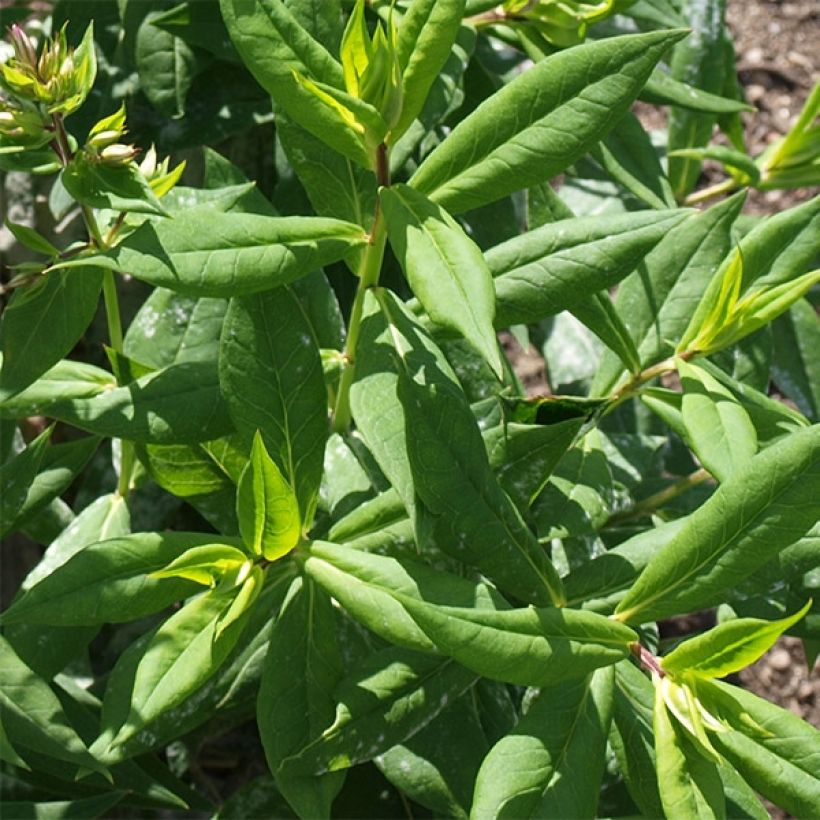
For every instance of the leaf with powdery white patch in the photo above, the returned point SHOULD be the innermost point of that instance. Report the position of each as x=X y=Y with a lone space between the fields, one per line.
x=752 y=516
x=202 y=253
x=728 y=647
x=266 y=507
x=541 y=122
x=444 y=267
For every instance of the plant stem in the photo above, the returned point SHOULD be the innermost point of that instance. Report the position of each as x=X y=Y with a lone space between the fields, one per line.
x=658 y=499
x=112 y=310
x=369 y=271
x=646 y=659
x=638 y=380
x=713 y=191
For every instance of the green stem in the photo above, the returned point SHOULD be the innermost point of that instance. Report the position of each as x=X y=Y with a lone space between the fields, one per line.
x=657 y=500
x=713 y=191
x=640 y=379
x=112 y=310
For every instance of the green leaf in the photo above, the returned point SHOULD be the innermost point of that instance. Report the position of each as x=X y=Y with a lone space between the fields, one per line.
x=392 y=695
x=108 y=582
x=444 y=267
x=752 y=516
x=175 y=660
x=532 y=771
x=295 y=703
x=426 y=35
x=33 y=717
x=16 y=478
x=541 y=122
x=271 y=377
x=528 y=647
x=557 y=266
x=202 y=253
x=796 y=368
x=656 y=300
x=31 y=238
x=599 y=315
x=119 y=188
x=473 y=520
x=743 y=165
x=198 y=24
x=207 y=565
x=37 y=330
x=275 y=48
x=82 y=809
x=178 y=404
x=690 y=785
x=718 y=428
x=266 y=507
x=662 y=89
x=728 y=647
x=774 y=751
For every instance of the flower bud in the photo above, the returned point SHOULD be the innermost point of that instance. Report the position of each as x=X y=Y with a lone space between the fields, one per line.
x=103 y=139
x=118 y=154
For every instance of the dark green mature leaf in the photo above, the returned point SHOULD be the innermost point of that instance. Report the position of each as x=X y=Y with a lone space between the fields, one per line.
x=38 y=329
x=16 y=478
x=472 y=518
x=662 y=89
x=555 y=267
x=391 y=696
x=273 y=45
x=33 y=718
x=599 y=315
x=82 y=809
x=796 y=367
x=202 y=253
x=178 y=404
x=718 y=428
x=171 y=328
x=541 y=122
x=776 y=752
x=657 y=300
x=444 y=267
x=118 y=187
x=426 y=35
x=295 y=702
x=752 y=516
x=109 y=582
x=270 y=372
x=532 y=771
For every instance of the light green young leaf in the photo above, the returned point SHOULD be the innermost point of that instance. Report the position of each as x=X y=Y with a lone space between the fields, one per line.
x=541 y=122
x=295 y=702
x=266 y=507
x=391 y=696
x=718 y=428
x=202 y=253
x=205 y=565
x=37 y=330
x=753 y=515
x=555 y=267
x=279 y=361
x=690 y=785
x=444 y=267
x=532 y=771
x=108 y=582
x=427 y=33
x=33 y=717
x=728 y=647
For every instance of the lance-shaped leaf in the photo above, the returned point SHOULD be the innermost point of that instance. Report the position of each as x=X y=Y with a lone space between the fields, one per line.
x=796 y=368
x=541 y=122
x=473 y=519
x=689 y=784
x=207 y=565
x=532 y=771
x=750 y=518
x=37 y=330
x=16 y=478
x=276 y=48
x=202 y=253
x=295 y=703
x=391 y=696
x=178 y=404
x=729 y=647
x=32 y=716
x=555 y=267
x=270 y=372
x=266 y=507
x=367 y=586
x=718 y=428
x=662 y=89
x=160 y=672
x=109 y=582
x=444 y=267
x=775 y=752
x=426 y=35
x=528 y=647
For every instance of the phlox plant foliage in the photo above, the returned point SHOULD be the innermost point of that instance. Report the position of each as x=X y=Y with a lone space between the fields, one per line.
x=300 y=487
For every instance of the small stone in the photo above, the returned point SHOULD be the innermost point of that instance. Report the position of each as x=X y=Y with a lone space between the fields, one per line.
x=780 y=659
x=806 y=691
